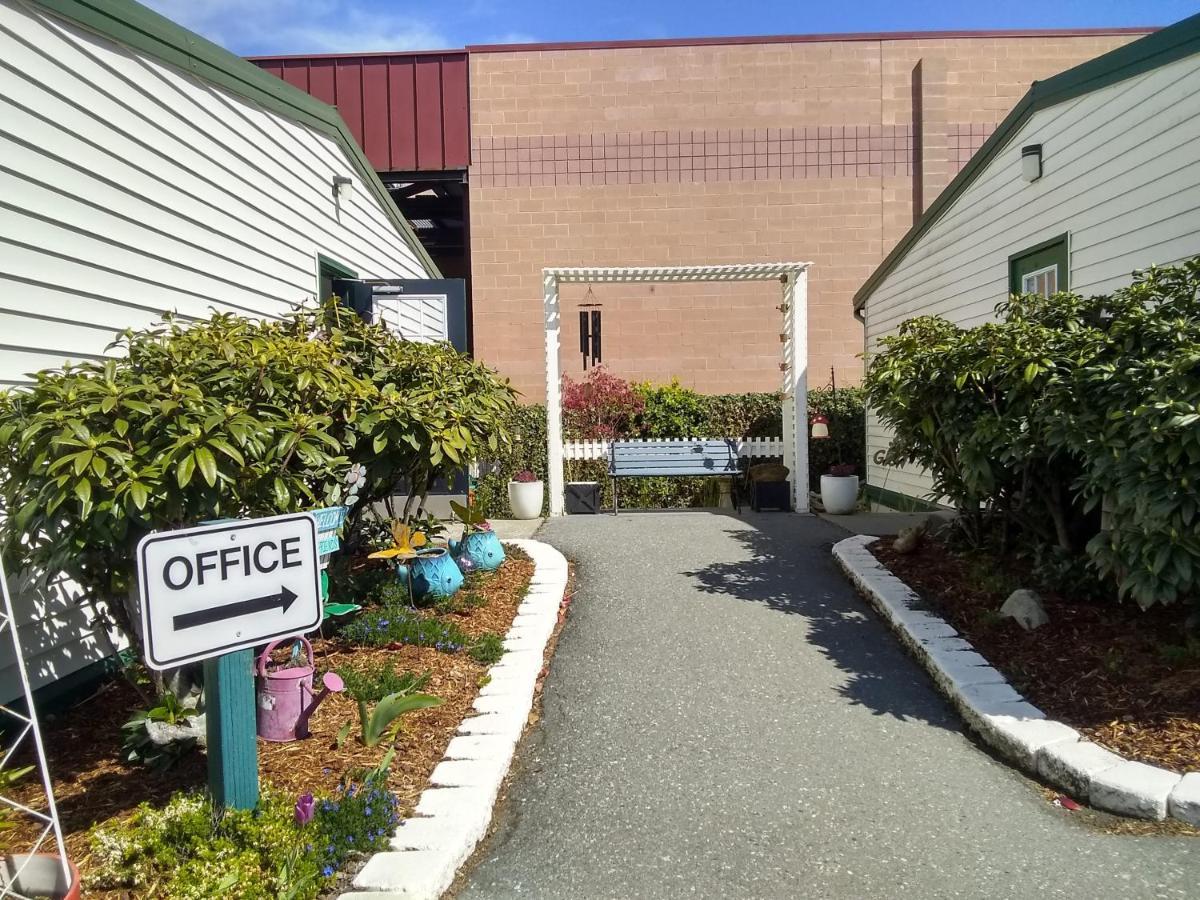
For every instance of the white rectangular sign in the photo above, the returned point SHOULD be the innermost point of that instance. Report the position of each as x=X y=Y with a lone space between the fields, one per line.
x=217 y=588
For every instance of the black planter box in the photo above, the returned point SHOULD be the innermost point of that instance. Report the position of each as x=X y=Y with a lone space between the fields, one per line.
x=583 y=497
x=770 y=495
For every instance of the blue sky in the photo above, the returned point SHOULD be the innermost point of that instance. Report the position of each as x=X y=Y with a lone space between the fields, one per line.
x=330 y=26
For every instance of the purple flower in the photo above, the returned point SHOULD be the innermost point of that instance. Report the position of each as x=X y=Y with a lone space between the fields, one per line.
x=304 y=808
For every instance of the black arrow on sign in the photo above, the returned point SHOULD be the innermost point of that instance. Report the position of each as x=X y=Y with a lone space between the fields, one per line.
x=284 y=599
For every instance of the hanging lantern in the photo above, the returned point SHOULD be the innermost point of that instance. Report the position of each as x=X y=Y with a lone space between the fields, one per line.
x=820 y=427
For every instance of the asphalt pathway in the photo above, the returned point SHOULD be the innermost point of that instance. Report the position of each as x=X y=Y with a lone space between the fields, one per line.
x=725 y=718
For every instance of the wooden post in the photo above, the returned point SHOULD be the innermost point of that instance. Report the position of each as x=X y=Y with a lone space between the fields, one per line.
x=231 y=726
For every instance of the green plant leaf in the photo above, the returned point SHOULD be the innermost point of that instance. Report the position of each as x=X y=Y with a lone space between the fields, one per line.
x=389 y=709
x=207 y=465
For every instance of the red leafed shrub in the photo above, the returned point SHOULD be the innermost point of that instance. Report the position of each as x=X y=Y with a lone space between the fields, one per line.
x=600 y=407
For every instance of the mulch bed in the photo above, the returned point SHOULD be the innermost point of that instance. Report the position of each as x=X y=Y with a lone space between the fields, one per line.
x=91 y=785
x=1098 y=666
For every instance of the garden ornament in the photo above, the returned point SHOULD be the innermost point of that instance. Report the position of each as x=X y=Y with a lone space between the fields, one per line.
x=479 y=543
x=285 y=696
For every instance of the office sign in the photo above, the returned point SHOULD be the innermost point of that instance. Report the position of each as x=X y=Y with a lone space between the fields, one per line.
x=217 y=588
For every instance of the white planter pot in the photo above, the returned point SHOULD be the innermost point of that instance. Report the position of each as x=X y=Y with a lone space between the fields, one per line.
x=839 y=494
x=525 y=498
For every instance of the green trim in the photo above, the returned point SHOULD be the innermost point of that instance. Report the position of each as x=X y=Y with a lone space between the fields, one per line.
x=329 y=267
x=339 y=270
x=1158 y=49
x=900 y=502
x=1053 y=251
x=135 y=26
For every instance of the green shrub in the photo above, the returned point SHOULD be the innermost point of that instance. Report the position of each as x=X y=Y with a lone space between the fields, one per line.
x=228 y=417
x=487 y=649
x=185 y=852
x=375 y=684
x=400 y=625
x=847 y=442
x=667 y=409
x=1030 y=424
x=670 y=410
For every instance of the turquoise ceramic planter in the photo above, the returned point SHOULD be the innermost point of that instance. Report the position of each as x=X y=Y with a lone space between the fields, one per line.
x=483 y=548
x=435 y=575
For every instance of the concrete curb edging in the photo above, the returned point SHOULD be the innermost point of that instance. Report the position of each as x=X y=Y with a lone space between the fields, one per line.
x=1015 y=728
x=454 y=812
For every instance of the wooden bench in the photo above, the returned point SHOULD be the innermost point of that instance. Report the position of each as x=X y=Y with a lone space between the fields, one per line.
x=673 y=459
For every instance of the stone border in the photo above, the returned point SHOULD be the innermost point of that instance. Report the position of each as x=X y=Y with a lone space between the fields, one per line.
x=1003 y=718
x=455 y=811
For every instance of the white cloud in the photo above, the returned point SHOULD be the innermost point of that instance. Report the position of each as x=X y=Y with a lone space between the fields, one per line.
x=303 y=26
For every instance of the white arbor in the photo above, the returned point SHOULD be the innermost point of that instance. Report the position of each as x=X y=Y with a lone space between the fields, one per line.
x=793 y=362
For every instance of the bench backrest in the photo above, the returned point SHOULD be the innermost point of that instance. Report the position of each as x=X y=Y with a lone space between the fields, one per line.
x=714 y=457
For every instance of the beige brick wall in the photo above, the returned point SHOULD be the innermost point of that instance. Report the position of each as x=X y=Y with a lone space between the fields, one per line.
x=743 y=153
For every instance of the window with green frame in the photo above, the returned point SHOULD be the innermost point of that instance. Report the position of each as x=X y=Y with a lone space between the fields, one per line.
x=329 y=269
x=1041 y=269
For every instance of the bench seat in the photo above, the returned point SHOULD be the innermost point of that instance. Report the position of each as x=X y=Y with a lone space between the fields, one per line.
x=672 y=459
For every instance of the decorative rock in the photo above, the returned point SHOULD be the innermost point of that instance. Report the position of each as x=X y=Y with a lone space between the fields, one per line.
x=909 y=539
x=1184 y=802
x=161 y=734
x=1134 y=789
x=1026 y=607
x=1073 y=766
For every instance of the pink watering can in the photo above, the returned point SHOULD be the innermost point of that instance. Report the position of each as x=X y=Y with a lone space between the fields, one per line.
x=285 y=696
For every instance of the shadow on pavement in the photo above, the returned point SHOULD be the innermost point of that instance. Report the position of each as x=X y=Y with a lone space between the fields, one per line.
x=791 y=570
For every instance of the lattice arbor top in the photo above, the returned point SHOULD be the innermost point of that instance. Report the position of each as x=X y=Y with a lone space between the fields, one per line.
x=741 y=272
x=793 y=364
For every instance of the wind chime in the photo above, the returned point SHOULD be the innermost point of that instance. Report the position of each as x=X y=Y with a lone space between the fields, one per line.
x=589 y=330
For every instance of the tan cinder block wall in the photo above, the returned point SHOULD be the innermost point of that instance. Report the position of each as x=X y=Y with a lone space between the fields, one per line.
x=717 y=154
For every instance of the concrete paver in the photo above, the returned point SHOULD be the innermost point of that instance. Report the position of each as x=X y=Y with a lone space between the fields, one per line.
x=724 y=717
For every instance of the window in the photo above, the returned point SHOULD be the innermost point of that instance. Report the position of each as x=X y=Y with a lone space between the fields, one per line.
x=327 y=271
x=1041 y=269
x=1043 y=281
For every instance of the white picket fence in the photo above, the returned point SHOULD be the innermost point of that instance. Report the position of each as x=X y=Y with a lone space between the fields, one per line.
x=746 y=447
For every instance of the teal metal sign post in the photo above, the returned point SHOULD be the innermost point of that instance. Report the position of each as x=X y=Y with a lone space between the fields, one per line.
x=230 y=724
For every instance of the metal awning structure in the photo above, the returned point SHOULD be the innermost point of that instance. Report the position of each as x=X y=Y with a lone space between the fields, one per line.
x=793 y=365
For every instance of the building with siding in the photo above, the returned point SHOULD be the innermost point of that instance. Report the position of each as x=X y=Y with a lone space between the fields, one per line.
x=679 y=152
x=1118 y=190
x=144 y=170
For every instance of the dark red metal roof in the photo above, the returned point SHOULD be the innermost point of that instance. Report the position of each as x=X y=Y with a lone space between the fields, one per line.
x=409 y=111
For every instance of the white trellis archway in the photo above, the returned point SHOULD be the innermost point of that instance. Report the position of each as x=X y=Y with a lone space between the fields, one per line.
x=793 y=359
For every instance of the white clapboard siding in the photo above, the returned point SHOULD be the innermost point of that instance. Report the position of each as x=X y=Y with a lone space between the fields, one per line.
x=1121 y=178
x=128 y=189
x=600 y=449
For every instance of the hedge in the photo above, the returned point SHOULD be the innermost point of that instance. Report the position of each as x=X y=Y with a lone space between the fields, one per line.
x=667 y=411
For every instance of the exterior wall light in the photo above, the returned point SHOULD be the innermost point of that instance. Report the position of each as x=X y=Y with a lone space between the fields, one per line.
x=342 y=186
x=820 y=427
x=1031 y=162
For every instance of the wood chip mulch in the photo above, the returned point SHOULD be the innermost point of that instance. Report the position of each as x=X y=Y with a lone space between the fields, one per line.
x=1099 y=666
x=91 y=785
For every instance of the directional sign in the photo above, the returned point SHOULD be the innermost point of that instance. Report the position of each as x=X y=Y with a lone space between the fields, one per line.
x=218 y=588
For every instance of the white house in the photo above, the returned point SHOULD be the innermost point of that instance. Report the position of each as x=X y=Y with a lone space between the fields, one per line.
x=1094 y=174
x=145 y=170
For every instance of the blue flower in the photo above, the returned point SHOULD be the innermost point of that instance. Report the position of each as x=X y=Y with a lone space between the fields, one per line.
x=367 y=810
x=350 y=791
x=349 y=839
x=327 y=871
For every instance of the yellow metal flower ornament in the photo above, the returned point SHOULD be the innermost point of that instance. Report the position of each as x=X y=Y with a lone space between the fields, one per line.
x=407 y=543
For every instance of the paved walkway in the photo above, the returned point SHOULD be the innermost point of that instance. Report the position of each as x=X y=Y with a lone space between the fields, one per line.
x=725 y=719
